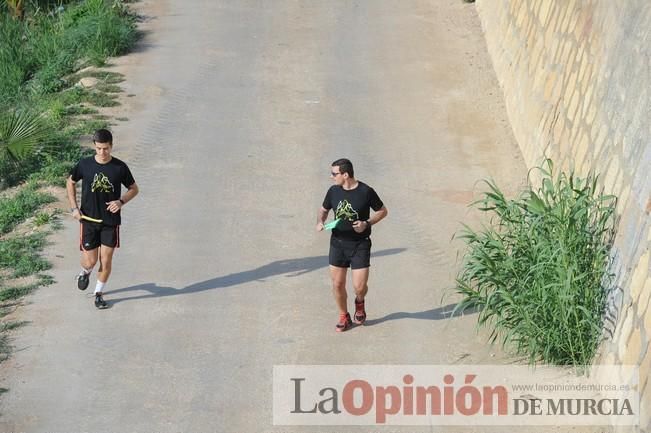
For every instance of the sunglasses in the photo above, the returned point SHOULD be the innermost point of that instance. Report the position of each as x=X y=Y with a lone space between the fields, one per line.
x=333 y=174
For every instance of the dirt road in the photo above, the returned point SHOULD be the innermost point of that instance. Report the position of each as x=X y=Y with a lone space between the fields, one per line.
x=238 y=108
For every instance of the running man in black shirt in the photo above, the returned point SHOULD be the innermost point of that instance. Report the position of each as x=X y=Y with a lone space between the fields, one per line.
x=101 y=201
x=350 y=242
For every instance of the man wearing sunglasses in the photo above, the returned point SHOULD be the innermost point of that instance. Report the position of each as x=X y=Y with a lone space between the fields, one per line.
x=350 y=242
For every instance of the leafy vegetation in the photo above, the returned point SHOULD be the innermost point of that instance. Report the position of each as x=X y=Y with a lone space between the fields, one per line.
x=46 y=48
x=537 y=272
x=16 y=209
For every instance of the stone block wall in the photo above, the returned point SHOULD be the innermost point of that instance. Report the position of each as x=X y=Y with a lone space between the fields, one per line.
x=576 y=77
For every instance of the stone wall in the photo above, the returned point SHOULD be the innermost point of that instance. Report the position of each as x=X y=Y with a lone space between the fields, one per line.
x=576 y=77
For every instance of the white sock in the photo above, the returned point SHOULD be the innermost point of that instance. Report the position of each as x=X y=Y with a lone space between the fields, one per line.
x=99 y=287
x=86 y=271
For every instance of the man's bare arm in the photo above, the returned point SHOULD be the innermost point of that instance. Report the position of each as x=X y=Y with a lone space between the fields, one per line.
x=71 y=190
x=321 y=216
x=378 y=216
x=132 y=191
x=115 y=205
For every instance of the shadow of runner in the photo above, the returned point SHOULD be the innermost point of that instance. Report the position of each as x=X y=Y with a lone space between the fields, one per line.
x=440 y=313
x=294 y=267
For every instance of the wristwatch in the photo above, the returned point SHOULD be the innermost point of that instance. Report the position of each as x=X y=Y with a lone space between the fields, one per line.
x=121 y=201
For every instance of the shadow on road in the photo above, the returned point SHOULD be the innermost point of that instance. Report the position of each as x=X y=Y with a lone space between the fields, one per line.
x=440 y=313
x=293 y=267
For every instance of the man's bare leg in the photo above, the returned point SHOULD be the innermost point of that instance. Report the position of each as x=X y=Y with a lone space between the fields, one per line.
x=360 y=283
x=338 y=276
x=88 y=260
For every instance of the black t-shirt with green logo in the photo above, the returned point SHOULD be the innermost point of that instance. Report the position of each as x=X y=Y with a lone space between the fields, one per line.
x=101 y=183
x=351 y=205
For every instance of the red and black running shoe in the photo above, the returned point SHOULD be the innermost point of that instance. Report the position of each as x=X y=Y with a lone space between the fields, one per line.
x=344 y=323
x=360 y=312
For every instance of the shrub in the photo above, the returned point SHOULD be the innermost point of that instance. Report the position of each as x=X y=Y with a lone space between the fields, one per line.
x=537 y=271
x=36 y=57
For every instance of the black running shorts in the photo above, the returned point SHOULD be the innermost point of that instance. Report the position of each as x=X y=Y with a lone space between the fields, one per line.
x=92 y=235
x=348 y=253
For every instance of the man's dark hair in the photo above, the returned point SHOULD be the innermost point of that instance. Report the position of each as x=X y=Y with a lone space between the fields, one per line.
x=103 y=136
x=345 y=166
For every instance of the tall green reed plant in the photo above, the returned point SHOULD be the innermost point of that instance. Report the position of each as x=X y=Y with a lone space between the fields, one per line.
x=537 y=272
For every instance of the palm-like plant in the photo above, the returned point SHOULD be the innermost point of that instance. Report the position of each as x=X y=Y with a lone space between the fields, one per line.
x=20 y=134
x=17 y=8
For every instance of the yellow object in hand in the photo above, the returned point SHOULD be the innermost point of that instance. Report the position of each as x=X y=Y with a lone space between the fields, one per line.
x=87 y=218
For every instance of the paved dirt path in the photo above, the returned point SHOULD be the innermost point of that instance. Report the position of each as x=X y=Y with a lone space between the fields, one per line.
x=238 y=110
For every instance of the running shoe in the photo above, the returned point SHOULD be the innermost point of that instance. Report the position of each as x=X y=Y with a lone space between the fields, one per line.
x=82 y=280
x=360 y=312
x=99 y=301
x=344 y=323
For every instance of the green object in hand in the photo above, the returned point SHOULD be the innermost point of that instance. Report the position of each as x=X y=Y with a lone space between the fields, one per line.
x=331 y=224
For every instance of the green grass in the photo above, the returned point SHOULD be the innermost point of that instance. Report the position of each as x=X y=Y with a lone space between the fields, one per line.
x=108 y=88
x=40 y=60
x=106 y=77
x=16 y=209
x=98 y=98
x=8 y=326
x=5 y=347
x=78 y=95
x=15 y=292
x=21 y=255
x=537 y=272
x=39 y=52
x=79 y=110
x=42 y=218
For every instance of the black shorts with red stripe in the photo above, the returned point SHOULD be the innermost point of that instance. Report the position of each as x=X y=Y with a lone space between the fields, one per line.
x=92 y=235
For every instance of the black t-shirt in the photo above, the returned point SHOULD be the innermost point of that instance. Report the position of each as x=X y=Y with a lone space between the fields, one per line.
x=101 y=183
x=351 y=205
